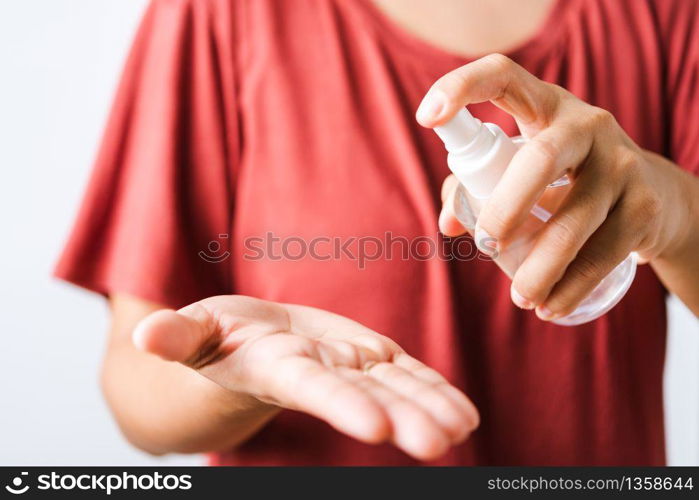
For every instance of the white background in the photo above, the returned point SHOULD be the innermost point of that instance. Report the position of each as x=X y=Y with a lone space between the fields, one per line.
x=59 y=60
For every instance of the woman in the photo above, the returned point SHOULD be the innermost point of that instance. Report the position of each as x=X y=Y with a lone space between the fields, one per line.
x=238 y=122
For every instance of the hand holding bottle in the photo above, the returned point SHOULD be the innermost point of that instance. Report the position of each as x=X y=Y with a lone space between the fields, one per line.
x=623 y=199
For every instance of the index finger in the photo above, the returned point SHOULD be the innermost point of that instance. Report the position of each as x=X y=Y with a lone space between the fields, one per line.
x=547 y=157
x=494 y=78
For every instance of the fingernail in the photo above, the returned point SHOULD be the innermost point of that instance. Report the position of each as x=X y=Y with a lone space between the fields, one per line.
x=138 y=338
x=431 y=107
x=520 y=301
x=444 y=216
x=545 y=313
x=486 y=243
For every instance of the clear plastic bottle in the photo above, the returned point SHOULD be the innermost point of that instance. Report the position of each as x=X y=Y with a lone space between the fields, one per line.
x=478 y=156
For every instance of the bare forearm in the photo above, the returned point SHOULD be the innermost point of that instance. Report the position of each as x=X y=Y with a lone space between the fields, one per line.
x=679 y=272
x=678 y=267
x=165 y=407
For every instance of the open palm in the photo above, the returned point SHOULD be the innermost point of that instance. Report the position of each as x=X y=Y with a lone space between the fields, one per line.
x=309 y=360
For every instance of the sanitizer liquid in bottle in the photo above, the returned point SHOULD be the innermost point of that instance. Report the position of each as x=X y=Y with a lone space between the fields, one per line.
x=478 y=155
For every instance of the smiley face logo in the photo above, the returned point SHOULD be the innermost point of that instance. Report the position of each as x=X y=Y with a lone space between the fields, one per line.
x=16 y=487
x=214 y=254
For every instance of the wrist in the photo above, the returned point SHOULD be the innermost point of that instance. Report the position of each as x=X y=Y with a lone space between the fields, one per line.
x=680 y=208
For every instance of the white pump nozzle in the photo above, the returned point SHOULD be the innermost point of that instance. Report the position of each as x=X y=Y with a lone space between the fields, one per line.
x=459 y=131
x=478 y=153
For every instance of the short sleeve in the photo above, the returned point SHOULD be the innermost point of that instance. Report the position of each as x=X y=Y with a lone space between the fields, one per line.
x=680 y=24
x=162 y=186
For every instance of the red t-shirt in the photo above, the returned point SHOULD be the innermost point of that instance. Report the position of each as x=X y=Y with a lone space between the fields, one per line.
x=238 y=119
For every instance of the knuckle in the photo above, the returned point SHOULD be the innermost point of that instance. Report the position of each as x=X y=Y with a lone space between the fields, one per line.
x=600 y=118
x=629 y=162
x=500 y=61
x=586 y=268
x=648 y=206
x=545 y=153
x=497 y=221
x=565 y=232
x=504 y=67
x=554 y=98
x=644 y=213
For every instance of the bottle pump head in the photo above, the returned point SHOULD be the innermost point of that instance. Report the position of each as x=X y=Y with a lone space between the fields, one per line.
x=459 y=131
x=479 y=152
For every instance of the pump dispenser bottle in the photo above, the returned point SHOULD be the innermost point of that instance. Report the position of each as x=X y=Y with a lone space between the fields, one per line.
x=478 y=154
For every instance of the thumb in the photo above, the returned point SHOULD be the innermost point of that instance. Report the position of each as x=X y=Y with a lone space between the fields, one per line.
x=449 y=224
x=175 y=335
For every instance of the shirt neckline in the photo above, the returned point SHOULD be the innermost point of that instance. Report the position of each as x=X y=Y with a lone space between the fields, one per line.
x=536 y=46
